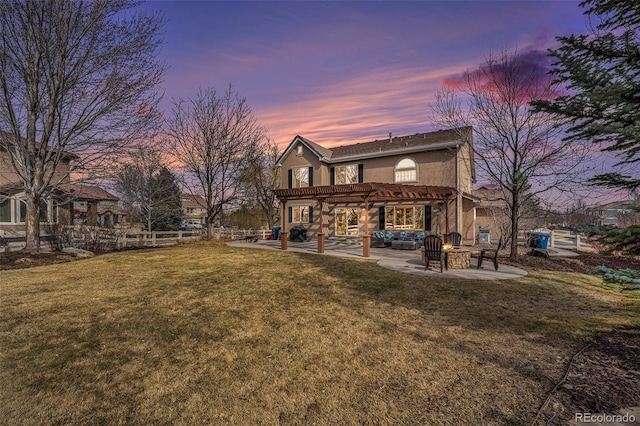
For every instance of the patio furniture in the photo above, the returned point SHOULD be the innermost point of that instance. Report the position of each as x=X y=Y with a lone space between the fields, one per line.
x=454 y=238
x=457 y=258
x=432 y=250
x=490 y=254
x=298 y=234
x=381 y=239
x=405 y=241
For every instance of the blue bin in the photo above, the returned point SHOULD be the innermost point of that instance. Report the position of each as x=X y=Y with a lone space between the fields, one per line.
x=276 y=232
x=534 y=240
x=543 y=241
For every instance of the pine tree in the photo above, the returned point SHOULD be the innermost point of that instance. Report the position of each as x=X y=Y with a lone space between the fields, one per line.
x=601 y=73
x=166 y=214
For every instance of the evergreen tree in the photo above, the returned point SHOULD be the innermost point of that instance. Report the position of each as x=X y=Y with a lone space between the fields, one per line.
x=166 y=213
x=601 y=72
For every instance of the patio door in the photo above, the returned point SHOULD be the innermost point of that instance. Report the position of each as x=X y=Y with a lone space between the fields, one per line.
x=347 y=221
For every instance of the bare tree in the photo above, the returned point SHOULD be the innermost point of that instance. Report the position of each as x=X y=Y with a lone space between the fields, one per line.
x=262 y=176
x=517 y=149
x=148 y=189
x=212 y=135
x=78 y=80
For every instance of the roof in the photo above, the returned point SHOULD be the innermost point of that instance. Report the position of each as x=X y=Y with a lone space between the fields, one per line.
x=78 y=192
x=9 y=136
x=619 y=205
x=192 y=201
x=88 y=192
x=393 y=145
x=489 y=197
x=440 y=139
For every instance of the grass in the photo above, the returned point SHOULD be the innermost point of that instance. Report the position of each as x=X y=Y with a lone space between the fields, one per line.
x=208 y=334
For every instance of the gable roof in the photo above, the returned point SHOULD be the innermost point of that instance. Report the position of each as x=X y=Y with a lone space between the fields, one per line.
x=419 y=142
x=83 y=192
x=321 y=152
x=192 y=201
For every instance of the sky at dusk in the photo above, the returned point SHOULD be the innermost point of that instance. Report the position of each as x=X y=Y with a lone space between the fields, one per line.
x=345 y=72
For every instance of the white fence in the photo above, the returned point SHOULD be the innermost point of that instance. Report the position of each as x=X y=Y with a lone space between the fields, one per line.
x=96 y=238
x=237 y=234
x=562 y=239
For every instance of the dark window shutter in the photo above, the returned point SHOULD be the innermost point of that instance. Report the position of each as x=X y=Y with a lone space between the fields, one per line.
x=360 y=173
x=381 y=217
x=332 y=176
x=427 y=218
x=310 y=214
x=290 y=214
x=290 y=178
x=310 y=176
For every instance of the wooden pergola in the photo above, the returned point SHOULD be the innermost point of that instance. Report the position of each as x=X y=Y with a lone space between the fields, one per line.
x=364 y=194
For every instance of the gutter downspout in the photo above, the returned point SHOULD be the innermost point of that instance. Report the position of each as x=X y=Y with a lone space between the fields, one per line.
x=458 y=195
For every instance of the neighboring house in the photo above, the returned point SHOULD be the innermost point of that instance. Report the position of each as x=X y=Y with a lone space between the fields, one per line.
x=55 y=209
x=492 y=213
x=94 y=206
x=418 y=182
x=193 y=208
x=618 y=213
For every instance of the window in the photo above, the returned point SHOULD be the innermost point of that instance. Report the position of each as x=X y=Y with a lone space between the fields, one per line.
x=406 y=171
x=5 y=210
x=346 y=174
x=404 y=217
x=300 y=177
x=347 y=221
x=300 y=214
x=23 y=211
x=44 y=212
x=299 y=151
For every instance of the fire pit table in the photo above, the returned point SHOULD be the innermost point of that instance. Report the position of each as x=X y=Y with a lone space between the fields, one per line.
x=455 y=257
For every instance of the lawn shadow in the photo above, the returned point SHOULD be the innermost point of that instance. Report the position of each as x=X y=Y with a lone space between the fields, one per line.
x=551 y=312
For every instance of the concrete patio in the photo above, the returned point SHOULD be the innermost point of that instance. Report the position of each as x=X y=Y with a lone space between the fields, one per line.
x=406 y=261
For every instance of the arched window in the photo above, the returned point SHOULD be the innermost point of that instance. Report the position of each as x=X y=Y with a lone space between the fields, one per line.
x=406 y=171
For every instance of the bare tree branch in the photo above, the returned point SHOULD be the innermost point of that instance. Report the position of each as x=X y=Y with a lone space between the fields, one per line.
x=79 y=80
x=520 y=151
x=212 y=135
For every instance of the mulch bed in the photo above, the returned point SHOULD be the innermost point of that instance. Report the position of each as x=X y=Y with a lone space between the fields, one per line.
x=20 y=259
x=602 y=378
x=581 y=264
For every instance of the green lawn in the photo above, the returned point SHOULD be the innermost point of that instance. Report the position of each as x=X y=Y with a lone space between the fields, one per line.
x=208 y=334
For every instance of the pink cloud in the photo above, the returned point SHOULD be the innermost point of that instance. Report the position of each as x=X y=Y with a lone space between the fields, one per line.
x=359 y=109
x=530 y=66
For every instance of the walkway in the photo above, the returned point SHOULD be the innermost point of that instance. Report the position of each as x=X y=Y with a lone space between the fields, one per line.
x=406 y=261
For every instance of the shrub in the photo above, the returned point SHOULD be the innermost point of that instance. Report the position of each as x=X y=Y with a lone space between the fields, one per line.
x=621 y=240
x=621 y=276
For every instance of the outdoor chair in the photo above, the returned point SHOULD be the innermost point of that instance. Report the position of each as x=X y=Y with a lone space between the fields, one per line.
x=490 y=254
x=432 y=247
x=454 y=238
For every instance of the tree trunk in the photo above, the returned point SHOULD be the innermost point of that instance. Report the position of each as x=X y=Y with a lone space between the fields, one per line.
x=515 y=213
x=32 y=224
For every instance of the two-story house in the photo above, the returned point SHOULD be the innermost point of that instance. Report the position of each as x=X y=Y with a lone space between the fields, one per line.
x=193 y=208
x=418 y=182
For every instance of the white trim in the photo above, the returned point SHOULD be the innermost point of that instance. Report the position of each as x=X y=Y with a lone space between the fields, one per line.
x=405 y=169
